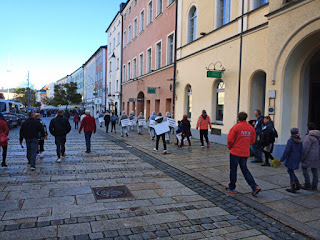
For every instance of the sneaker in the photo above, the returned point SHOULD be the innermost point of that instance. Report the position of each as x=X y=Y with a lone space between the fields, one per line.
x=202 y=146
x=127 y=135
x=156 y=150
x=208 y=144
x=87 y=151
x=164 y=151
x=58 y=160
x=64 y=155
x=33 y=168
x=229 y=190
x=256 y=191
x=256 y=161
x=265 y=165
x=28 y=165
x=41 y=155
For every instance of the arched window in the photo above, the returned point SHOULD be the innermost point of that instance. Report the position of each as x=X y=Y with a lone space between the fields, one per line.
x=192 y=21
x=189 y=101
x=219 y=101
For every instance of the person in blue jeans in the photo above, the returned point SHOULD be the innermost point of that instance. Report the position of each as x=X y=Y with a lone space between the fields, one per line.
x=256 y=147
x=241 y=136
x=292 y=157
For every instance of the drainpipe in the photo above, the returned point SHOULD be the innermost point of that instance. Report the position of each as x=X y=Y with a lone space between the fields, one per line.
x=175 y=62
x=240 y=60
x=121 y=62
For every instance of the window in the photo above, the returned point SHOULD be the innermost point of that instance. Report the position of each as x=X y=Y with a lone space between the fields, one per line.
x=129 y=71
x=110 y=66
x=135 y=27
x=134 y=68
x=135 y=2
x=118 y=38
x=219 y=100
x=149 y=58
x=124 y=73
x=114 y=43
x=158 y=55
x=110 y=88
x=192 y=34
x=225 y=12
x=150 y=12
x=124 y=39
x=141 y=64
x=129 y=10
x=124 y=16
x=110 y=46
x=189 y=101
x=170 y=49
x=129 y=34
x=118 y=63
x=117 y=86
x=259 y=3
x=142 y=21
x=159 y=7
x=170 y=2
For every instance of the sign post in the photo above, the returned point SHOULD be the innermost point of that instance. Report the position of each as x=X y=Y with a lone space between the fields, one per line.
x=152 y=90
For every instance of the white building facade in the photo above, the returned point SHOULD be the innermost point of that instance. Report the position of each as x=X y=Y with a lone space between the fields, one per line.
x=114 y=59
x=77 y=77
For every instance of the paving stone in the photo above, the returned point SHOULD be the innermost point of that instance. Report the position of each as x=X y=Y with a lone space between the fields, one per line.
x=82 y=237
x=124 y=232
x=174 y=232
x=28 y=225
x=67 y=238
x=136 y=237
x=136 y=230
x=29 y=213
x=70 y=220
x=148 y=235
x=150 y=228
x=43 y=224
x=162 y=233
x=48 y=202
x=12 y=227
x=74 y=229
x=111 y=233
x=56 y=222
x=85 y=219
x=30 y=233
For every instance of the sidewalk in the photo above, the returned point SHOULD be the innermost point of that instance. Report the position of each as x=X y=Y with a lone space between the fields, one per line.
x=300 y=211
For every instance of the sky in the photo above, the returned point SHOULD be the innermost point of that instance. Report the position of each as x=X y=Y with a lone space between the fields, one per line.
x=50 y=38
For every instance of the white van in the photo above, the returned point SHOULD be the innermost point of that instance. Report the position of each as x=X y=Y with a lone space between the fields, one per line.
x=9 y=112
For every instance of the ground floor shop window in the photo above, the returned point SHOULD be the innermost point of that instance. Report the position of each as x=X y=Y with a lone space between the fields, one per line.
x=189 y=101
x=219 y=101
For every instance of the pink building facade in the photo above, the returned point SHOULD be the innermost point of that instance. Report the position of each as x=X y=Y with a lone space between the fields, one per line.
x=148 y=56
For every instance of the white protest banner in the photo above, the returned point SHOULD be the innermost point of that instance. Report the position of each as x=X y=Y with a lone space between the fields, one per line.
x=171 y=122
x=101 y=120
x=161 y=128
x=151 y=123
x=133 y=122
x=142 y=122
x=179 y=137
x=125 y=122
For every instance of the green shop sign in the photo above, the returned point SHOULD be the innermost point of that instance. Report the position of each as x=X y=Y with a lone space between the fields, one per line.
x=214 y=74
x=152 y=90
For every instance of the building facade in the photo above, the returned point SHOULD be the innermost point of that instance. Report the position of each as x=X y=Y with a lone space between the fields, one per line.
x=148 y=56
x=114 y=32
x=77 y=77
x=262 y=59
x=63 y=80
x=94 y=81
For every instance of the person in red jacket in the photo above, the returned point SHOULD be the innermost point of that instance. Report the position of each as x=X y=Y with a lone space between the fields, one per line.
x=4 y=132
x=203 y=123
x=240 y=138
x=89 y=125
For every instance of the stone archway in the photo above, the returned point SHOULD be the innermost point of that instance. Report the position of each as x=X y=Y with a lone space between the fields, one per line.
x=258 y=93
x=140 y=103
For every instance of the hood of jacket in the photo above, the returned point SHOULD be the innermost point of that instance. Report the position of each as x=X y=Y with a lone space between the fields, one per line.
x=204 y=116
x=159 y=119
x=269 y=125
x=296 y=139
x=314 y=133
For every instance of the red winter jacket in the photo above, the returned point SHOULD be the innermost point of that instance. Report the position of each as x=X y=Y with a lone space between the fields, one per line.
x=4 y=130
x=204 y=122
x=240 y=138
x=88 y=123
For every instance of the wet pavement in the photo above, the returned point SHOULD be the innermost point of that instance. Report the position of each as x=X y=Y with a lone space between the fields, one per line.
x=161 y=197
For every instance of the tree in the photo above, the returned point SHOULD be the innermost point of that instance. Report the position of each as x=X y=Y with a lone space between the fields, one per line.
x=66 y=94
x=21 y=95
x=47 y=101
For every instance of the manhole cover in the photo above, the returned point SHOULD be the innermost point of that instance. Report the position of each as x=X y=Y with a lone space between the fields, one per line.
x=111 y=192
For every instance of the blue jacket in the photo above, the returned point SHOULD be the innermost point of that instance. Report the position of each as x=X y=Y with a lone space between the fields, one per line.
x=293 y=153
x=258 y=126
x=113 y=118
x=153 y=117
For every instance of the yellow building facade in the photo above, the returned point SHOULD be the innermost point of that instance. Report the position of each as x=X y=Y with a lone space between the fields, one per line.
x=277 y=44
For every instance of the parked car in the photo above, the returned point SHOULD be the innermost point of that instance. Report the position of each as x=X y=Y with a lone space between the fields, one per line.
x=22 y=116
x=8 y=110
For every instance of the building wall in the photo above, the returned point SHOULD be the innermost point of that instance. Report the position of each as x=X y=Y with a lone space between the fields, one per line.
x=77 y=77
x=158 y=30
x=114 y=64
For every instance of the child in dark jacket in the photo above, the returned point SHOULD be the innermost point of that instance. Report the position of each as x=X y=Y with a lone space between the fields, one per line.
x=179 y=130
x=267 y=139
x=292 y=157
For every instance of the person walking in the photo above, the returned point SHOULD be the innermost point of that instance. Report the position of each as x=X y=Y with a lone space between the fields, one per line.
x=124 y=129
x=59 y=128
x=239 y=139
x=101 y=117
x=76 y=120
x=292 y=157
x=4 y=132
x=311 y=157
x=171 y=128
x=113 y=120
x=41 y=141
x=107 y=119
x=151 y=129
x=30 y=131
x=139 y=127
x=133 y=119
x=203 y=123
x=186 y=132
x=256 y=147
x=267 y=140
x=88 y=125
x=158 y=120
x=66 y=114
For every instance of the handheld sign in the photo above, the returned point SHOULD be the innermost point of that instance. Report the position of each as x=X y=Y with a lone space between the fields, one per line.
x=151 y=123
x=133 y=122
x=125 y=122
x=101 y=120
x=171 y=122
x=142 y=122
x=161 y=128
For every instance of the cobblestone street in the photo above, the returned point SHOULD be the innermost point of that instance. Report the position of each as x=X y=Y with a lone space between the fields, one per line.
x=168 y=201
